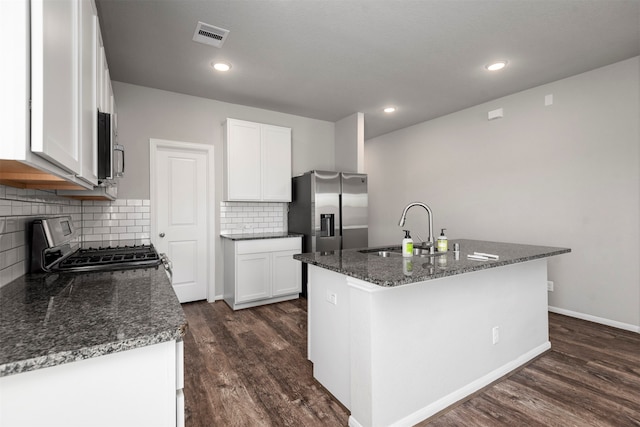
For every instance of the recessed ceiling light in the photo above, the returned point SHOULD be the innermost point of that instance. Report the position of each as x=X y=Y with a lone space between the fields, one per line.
x=389 y=109
x=495 y=66
x=221 y=66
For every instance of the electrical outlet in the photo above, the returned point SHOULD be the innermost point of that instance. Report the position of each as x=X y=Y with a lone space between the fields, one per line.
x=549 y=286
x=332 y=298
x=496 y=334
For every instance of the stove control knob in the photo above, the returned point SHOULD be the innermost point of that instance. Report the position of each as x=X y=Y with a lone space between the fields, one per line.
x=161 y=234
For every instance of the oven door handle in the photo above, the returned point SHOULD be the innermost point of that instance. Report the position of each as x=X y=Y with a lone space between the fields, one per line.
x=168 y=266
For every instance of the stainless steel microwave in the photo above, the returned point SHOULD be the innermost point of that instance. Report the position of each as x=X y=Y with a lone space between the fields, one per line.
x=110 y=154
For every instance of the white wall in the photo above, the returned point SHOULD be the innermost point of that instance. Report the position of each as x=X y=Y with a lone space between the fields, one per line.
x=561 y=175
x=145 y=113
x=349 y=144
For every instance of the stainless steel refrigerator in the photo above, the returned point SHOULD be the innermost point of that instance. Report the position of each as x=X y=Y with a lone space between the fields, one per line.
x=331 y=210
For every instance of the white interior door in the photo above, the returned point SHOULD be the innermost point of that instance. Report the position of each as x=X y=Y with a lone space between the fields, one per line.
x=181 y=187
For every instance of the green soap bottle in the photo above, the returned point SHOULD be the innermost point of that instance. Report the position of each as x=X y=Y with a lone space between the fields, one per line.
x=443 y=243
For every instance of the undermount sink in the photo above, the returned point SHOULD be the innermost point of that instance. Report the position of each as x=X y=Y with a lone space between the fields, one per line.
x=384 y=252
x=397 y=251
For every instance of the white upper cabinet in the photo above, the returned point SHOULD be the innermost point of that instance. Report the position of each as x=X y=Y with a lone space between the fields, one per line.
x=55 y=82
x=257 y=162
x=53 y=49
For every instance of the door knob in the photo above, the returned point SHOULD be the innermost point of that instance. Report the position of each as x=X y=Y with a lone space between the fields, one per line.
x=161 y=234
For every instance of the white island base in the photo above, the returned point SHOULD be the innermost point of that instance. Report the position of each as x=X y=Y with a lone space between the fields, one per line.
x=395 y=356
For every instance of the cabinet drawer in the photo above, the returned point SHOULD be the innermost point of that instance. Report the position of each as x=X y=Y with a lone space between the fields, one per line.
x=268 y=245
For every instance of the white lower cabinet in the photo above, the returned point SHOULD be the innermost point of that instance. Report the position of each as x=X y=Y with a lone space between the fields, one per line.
x=137 y=388
x=261 y=271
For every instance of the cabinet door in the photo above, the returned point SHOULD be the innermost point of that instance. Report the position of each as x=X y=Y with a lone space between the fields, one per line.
x=243 y=160
x=253 y=277
x=276 y=163
x=14 y=80
x=55 y=93
x=88 y=91
x=287 y=273
x=101 y=64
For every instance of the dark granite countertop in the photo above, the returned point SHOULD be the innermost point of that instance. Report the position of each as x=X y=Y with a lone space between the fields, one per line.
x=51 y=319
x=392 y=271
x=258 y=236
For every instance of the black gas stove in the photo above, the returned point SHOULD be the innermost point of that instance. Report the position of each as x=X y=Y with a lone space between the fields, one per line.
x=51 y=251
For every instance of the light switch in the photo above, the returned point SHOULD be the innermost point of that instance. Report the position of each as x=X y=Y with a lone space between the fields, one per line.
x=548 y=100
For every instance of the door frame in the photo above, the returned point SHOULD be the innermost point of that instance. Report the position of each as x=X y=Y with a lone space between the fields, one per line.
x=154 y=145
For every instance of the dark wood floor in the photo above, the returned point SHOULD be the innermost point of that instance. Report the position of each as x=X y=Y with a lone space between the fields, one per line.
x=249 y=368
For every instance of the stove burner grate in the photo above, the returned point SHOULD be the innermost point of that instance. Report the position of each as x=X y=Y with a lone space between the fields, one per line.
x=111 y=258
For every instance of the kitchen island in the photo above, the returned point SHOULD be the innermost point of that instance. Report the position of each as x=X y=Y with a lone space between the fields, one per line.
x=98 y=349
x=397 y=339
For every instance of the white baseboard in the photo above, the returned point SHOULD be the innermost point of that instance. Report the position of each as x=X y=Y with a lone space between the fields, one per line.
x=595 y=319
x=215 y=298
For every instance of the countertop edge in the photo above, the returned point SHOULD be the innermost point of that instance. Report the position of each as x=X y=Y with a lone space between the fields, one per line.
x=83 y=353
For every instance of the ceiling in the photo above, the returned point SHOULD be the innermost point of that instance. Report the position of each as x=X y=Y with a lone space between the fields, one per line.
x=327 y=59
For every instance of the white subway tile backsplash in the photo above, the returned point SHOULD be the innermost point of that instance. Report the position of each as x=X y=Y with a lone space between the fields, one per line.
x=252 y=217
x=18 y=208
x=121 y=219
x=97 y=221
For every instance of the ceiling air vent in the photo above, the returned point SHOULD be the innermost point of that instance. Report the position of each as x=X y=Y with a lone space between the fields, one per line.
x=208 y=34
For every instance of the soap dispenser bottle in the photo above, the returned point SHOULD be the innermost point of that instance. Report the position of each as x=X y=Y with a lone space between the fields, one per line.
x=407 y=244
x=443 y=243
